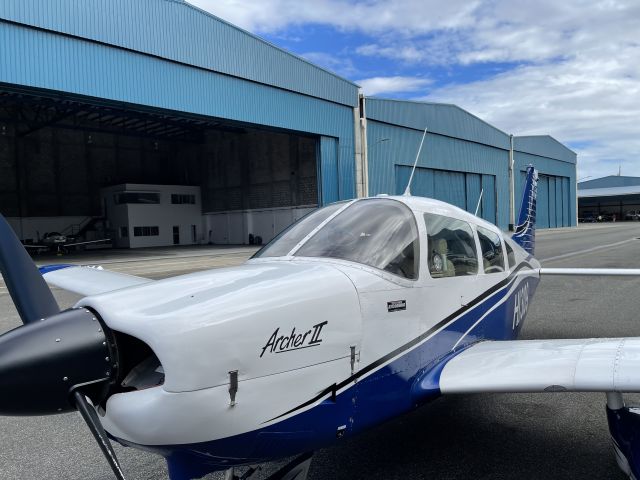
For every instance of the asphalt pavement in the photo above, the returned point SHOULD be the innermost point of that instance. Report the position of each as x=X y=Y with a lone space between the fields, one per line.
x=523 y=436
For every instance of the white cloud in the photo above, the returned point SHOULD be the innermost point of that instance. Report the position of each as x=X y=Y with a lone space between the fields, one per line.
x=474 y=31
x=407 y=52
x=574 y=65
x=374 y=16
x=508 y=31
x=387 y=85
x=589 y=103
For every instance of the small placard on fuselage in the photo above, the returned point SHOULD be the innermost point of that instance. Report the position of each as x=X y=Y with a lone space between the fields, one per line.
x=396 y=305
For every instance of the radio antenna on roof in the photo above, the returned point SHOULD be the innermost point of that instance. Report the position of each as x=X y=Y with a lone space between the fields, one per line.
x=479 y=200
x=407 y=191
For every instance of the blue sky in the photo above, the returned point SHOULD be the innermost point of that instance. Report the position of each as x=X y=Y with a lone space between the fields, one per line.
x=350 y=55
x=569 y=69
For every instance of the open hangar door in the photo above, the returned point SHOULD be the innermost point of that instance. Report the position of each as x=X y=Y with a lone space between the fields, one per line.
x=57 y=152
x=257 y=183
x=607 y=207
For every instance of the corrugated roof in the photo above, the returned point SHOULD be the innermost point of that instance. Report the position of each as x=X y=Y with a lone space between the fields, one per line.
x=544 y=146
x=440 y=118
x=609 y=181
x=609 y=192
x=56 y=63
x=179 y=32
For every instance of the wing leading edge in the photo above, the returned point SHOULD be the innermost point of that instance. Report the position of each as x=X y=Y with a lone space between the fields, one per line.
x=609 y=365
x=88 y=280
x=588 y=365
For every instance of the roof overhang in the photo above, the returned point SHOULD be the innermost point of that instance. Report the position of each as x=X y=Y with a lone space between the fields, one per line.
x=609 y=192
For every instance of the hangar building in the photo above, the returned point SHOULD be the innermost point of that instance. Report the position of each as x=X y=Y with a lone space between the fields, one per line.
x=609 y=196
x=463 y=156
x=157 y=93
x=106 y=92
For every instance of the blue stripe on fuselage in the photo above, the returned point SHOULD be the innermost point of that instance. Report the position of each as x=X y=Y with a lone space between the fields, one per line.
x=382 y=394
x=53 y=268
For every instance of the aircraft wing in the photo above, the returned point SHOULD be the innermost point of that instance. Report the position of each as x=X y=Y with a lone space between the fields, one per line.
x=591 y=272
x=587 y=365
x=88 y=280
x=74 y=244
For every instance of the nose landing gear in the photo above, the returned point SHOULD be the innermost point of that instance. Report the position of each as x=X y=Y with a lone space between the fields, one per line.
x=297 y=469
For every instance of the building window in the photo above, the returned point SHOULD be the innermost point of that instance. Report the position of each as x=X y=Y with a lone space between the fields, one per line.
x=146 y=231
x=183 y=198
x=124 y=232
x=136 y=197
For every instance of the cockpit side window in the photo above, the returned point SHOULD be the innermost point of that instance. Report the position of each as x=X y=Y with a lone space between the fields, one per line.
x=511 y=256
x=290 y=237
x=492 y=254
x=452 y=248
x=381 y=233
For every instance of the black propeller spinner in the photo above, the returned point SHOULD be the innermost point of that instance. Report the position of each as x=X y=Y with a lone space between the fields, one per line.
x=57 y=359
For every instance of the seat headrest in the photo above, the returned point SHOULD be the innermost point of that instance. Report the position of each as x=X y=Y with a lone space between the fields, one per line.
x=441 y=246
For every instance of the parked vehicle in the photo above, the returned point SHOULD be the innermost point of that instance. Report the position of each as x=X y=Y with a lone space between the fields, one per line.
x=632 y=215
x=588 y=217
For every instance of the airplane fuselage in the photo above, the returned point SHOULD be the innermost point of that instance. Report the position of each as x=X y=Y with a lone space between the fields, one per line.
x=357 y=313
x=290 y=353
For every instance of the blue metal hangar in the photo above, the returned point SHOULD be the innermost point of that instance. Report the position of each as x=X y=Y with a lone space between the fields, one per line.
x=119 y=100
x=463 y=157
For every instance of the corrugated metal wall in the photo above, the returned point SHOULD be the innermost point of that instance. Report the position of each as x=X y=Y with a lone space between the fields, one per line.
x=461 y=189
x=463 y=155
x=444 y=119
x=182 y=33
x=329 y=187
x=458 y=169
x=45 y=60
x=544 y=146
x=556 y=189
x=170 y=55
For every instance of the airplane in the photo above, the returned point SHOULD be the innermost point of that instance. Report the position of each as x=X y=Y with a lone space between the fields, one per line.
x=360 y=312
x=58 y=243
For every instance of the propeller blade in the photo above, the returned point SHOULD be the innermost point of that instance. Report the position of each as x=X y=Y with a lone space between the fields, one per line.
x=43 y=364
x=93 y=422
x=30 y=293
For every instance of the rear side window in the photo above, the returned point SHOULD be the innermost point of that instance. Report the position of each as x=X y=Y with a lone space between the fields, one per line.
x=511 y=256
x=492 y=254
x=452 y=248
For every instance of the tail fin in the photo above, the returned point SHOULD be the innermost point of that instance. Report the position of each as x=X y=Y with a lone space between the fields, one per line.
x=525 y=234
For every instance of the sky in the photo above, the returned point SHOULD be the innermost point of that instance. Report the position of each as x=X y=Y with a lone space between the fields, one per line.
x=569 y=69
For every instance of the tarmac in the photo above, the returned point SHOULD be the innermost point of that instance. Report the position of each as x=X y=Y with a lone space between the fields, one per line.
x=489 y=436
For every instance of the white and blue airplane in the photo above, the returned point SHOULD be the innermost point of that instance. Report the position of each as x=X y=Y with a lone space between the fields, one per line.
x=360 y=312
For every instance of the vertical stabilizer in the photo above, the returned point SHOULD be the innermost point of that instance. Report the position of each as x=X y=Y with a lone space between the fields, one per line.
x=525 y=231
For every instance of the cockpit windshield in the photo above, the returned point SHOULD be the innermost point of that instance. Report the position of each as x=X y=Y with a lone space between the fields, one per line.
x=381 y=233
x=290 y=237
